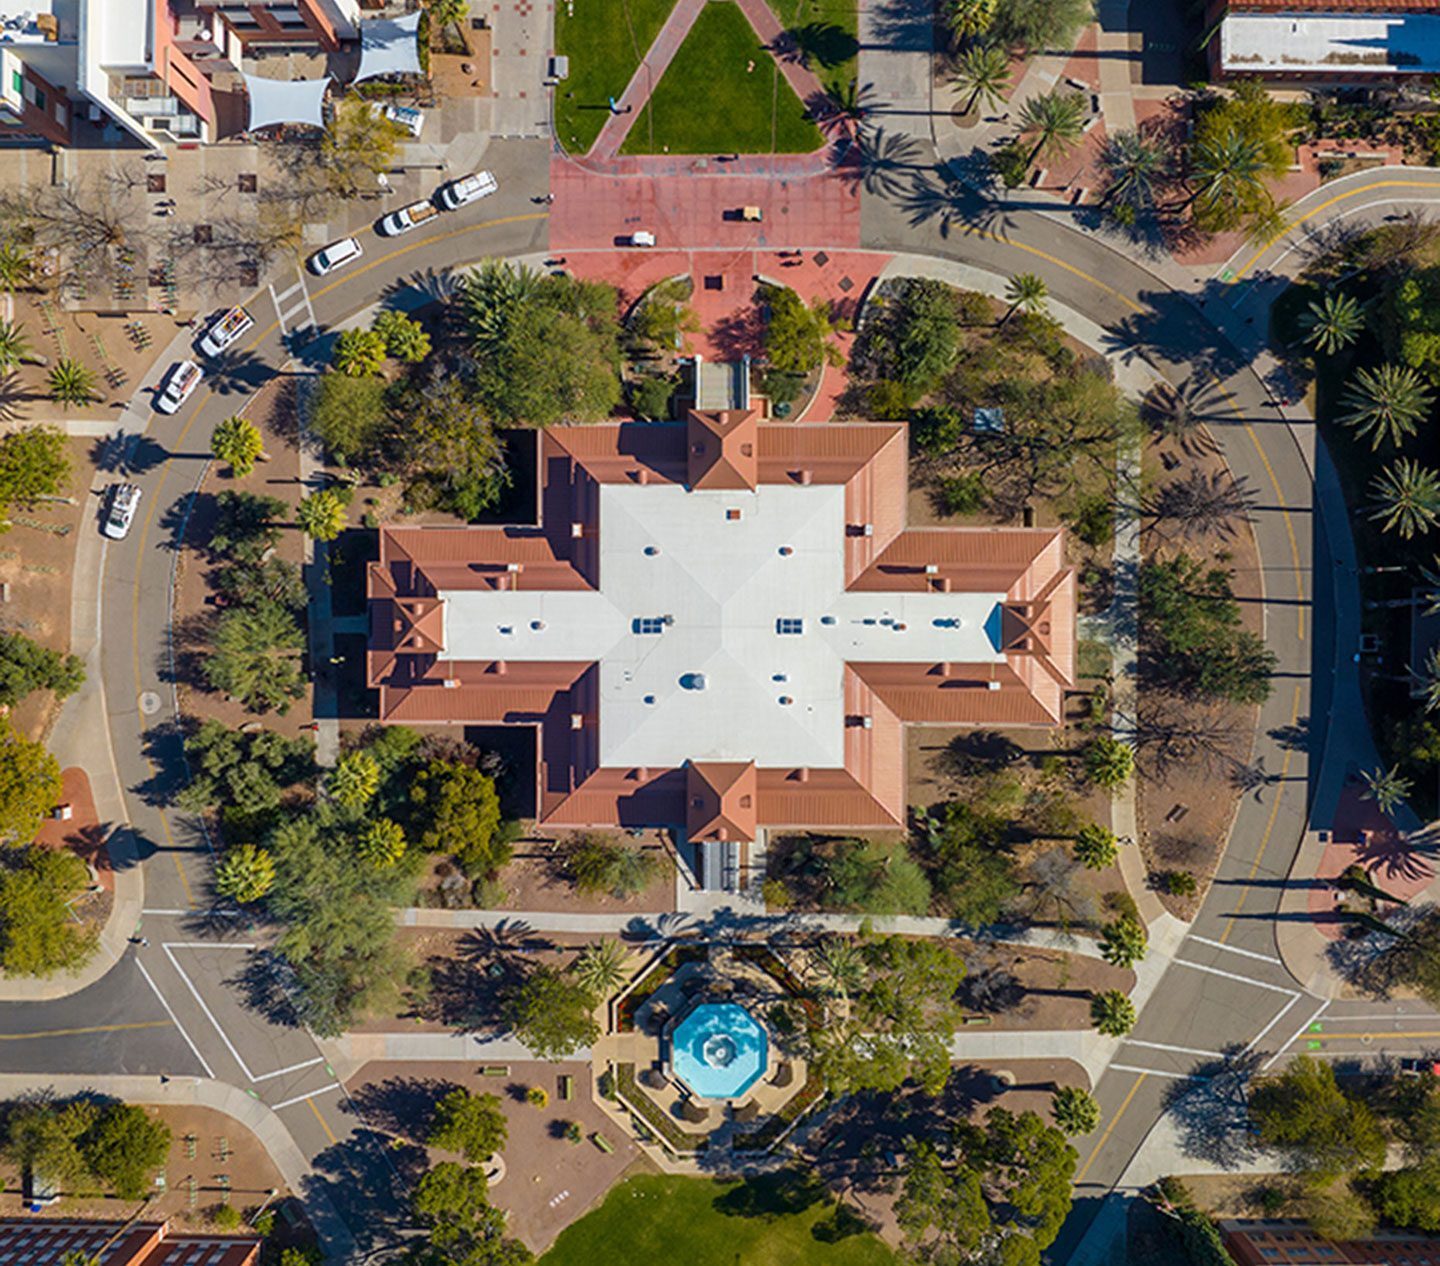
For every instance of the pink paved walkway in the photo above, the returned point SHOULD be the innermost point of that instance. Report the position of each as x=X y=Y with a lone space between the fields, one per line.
x=642 y=83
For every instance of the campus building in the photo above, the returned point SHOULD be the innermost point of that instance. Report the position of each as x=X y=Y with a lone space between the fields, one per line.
x=1289 y=1242
x=1323 y=41
x=721 y=626
x=42 y=1242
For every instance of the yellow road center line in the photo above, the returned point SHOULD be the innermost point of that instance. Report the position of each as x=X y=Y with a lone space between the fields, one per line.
x=95 y=1028
x=1269 y=826
x=328 y=1134
x=1110 y=1129
x=1324 y=206
x=1059 y=263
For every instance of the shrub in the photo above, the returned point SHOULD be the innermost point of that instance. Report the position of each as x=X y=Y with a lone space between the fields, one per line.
x=650 y=397
x=348 y=415
x=405 y=339
x=537 y=1097
x=1108 y=762
x=936 y=430
x=359 y=353
x=888 y=401
x=961 y=494
x=1179 y=883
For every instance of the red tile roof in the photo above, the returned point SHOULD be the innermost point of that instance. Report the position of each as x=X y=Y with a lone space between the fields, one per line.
x=723 y=449
x=43 y=1242
x=720 y=800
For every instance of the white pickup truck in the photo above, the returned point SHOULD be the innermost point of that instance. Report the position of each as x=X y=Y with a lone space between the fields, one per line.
x=225 y=331
x=407 y=218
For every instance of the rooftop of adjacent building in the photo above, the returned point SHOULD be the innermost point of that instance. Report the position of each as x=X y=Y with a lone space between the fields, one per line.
x=43 y=1242
x=1333 y=41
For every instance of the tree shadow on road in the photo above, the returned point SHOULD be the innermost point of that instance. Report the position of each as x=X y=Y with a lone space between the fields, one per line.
x=367 y=1179
x=1211 y=1109
x=402 y=1106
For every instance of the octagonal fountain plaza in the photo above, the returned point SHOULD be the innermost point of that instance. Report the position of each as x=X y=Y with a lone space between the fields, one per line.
x=718 y=1050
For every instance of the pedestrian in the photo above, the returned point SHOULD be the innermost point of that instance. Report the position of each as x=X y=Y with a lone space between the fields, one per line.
x=144 y=942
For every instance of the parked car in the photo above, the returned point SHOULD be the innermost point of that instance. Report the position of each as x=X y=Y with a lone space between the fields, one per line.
x=124 y=501
x=642 y=238
x=179 y=386
x=1419 y=1067
x=225 y=331
x=407 y=218
x=405 y=117
x=336 y=255
x=467 y=189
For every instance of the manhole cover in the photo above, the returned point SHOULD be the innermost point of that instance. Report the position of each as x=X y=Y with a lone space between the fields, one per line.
x=149 y=703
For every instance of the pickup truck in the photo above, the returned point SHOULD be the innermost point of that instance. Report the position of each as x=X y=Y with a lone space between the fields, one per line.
x=407 y=218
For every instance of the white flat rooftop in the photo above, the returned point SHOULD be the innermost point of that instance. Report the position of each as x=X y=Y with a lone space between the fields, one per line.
x=686 y=626
x=1297 y=42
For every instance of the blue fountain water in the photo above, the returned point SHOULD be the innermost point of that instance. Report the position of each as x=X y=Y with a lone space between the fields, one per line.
x=719 y=1050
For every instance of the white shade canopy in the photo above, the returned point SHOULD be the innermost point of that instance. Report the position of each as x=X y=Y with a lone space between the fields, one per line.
x=389 y=46
x=275 y=101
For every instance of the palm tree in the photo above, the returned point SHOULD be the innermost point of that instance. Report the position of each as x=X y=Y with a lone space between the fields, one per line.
x=1332 y=323
x=1123 y=942
x=16 y=267
x=1134 y=166
x=983 y=72
x=322 y=515
x=72 y=383
x=1428 y=679
x=1228 y=173
x=1406 y=498
x=353 y=782
x=1096 y=846
x=969 y=18
x=246 y=873
x=1203 y=503
x=381 y=843
x=1025 y=290
x=1074 y=1110
x=601 y=967
x=1112 y=1013
x=1269 y=222
x=490 y=295
x=1386 y=787
x=1054 y=122
x=1385 y=403
x=839 y=962
x=14 y=346
x=237 y=442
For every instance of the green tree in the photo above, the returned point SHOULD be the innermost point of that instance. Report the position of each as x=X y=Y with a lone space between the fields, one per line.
x=1227 y=174
x=322 y=514
x=359 y=353
x=1024 y=292
x=43 y=1137
x=941 y=1209
x=458 y=811
x=125 y=1147
x=381 y=843
x=26 y=666
x=973 y=870
x=551 y=1012
x=455 y=459
x=256 y=657
x=1112 y=1013
x=1304 y=1112
x=983 y=71
x=14 y=346
x=1427 y=679
x=245 y=526
x=1052 y=125
x=472 y=1125
x=1386 y=787
x=876 y=878
x=29 y=786
x=1405 y=498
x=927 y=336
x=1135 y=167
x=34 y=463
x=72 y=382
x=244 y=771
x=237 y=442
x=245 y=874
x=354 y=780
x=600 y=864
x=663 y=317
x=465 y=1229
x=38 y=935
x=1332 y=323
x=248 y=584
x=1385 y=403
x=447 y=12
x=405 y=338
x=1108 y=762
x=348 y=415
x=1096 y=847
x=1074 y=1110
x=357 y=146
x=1410 y=1197
x=600 y=967
x=969 y=18
x=1041 y=24
x=16 y=267
x=1123 y=942
x=798 y=337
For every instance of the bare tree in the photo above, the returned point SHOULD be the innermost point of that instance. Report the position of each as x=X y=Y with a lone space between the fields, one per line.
x=1171 y=732
x=1200 y=504
x=239 y=249
x=96 y=230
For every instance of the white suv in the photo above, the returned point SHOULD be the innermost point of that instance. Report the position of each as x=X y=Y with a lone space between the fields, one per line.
x=458 y=193
x=225 y=331
x=180 y=384
x=124 y=501
x=335 y=256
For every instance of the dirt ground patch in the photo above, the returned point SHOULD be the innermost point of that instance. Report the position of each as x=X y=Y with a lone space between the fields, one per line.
x=37 y=561
x=1185 y=804
x=1052 y=989
x=214 y=1160
x=548 y=1181
x=536 y=878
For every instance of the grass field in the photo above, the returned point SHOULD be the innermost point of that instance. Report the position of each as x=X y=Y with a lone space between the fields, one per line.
x=828 y=31
x=605 y=41
x=709 y=1222
x=708 y=102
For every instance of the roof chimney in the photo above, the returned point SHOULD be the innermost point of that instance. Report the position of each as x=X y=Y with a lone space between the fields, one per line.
x=802 y=774
x=642 y=476
x=577 y=720
x=932 y=569
x=501 y=668
x=867 y=529
x=943 y=669
x=804 y=475
x=992 y=685
x=577 y=530
x=514 y=568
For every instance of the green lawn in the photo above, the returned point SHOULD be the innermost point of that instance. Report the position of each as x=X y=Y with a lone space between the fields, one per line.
x=828 y=31
x=709 y=102
x=605 y=41
x=708 y=1222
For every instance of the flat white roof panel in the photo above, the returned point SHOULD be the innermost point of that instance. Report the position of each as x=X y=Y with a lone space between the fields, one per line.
x=1299 y=42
